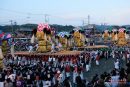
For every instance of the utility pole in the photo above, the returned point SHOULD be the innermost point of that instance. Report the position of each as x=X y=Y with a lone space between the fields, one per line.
x=88 y=19
x=11 y=21
x=15 y=25
x=46 y=18
x=83 y=23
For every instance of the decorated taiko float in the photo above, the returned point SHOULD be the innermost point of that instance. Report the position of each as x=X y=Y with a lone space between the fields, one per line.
x=63 y=39
x=117 y=36
x=106 y=35
x=43 y=35
x=5 y=44
x=122 y=37
x=113 y=35
x=78 y=37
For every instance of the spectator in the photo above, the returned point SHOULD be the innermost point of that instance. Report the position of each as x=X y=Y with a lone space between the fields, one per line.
x=8 y=83
x=114 y=79
x=116 y=64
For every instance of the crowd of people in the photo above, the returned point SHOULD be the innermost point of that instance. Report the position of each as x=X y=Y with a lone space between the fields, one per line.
x=115 y=78
x=63 y=71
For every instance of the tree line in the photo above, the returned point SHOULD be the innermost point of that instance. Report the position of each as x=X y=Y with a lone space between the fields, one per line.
x=59 y=28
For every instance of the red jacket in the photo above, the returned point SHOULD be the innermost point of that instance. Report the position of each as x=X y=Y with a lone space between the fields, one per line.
x=67 y=68
x=97 y=57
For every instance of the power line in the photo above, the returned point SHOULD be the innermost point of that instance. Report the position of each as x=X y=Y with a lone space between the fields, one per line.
x=19 y=12
x=32 y=14
x=46 y=16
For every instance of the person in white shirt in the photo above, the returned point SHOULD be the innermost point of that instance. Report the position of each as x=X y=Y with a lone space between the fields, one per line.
x=50 y=59
x=1 y=84
x=113 y=54
x=116 y=64
x=53 y=47
x=53 y=59
x=30 y=49
x=12 y=77
x=114 y=79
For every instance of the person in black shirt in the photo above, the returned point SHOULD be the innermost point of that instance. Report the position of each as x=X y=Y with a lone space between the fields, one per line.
x=2 y=76
x=128 y=67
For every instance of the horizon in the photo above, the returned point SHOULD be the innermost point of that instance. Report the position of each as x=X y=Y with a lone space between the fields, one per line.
x=65 y=12
x=67 y=24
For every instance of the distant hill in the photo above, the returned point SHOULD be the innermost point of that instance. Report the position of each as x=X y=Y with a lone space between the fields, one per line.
x=58 y=28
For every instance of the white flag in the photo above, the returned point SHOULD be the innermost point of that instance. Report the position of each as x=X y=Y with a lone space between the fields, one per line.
x=1 y=54
x=12 y=50
x=32 y=39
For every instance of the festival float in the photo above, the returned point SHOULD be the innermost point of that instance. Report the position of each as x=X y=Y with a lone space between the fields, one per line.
x=118 y=37
x=122 y=37
x=5 y=44
x=45 y=38
x=106 y=35
x=43 y=35
x=114 y=35
x=78 y=37
x=63 y=39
